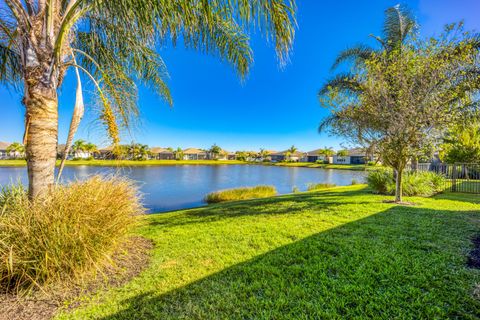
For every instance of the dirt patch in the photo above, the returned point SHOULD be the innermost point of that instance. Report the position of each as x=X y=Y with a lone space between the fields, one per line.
x=403 y=203
x=129 y=260
x=473 y=260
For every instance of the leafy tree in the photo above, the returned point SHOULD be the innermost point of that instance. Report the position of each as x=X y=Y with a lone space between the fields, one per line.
x=138 y=151
x=16 y=148
x=399 y=98
x=461 y=143
x=112 y=44
x=79 y=146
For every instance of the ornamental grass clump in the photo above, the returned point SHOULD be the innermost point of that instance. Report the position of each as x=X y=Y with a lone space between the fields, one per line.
x=241 y=194
x=415 y=183
x=320 y=186
x=66 y=237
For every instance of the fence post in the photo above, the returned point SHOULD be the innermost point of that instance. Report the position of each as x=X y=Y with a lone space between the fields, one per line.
x=454 y=177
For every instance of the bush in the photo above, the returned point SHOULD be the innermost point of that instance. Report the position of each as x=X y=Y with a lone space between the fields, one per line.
x=241 y=194
x=415 y=183
x=319 y=186
x=371 y=163
x=355 y=182
x=66 y=236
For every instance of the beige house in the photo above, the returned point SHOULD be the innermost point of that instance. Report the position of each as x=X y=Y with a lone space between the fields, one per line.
x=285 y=155
x=194 y=154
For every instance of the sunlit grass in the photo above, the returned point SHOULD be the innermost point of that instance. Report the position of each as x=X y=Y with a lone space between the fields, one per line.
x=338 y=253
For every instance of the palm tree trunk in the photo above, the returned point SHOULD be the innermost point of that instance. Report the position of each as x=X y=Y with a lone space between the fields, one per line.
x=41 y=135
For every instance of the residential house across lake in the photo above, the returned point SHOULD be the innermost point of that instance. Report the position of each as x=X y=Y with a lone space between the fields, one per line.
x=159 y=153
x=297 y=156
x=353 y=156
x=194 y=154
x=314 y=156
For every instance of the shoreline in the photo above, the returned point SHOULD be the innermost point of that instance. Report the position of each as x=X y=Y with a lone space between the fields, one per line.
x=153 y=163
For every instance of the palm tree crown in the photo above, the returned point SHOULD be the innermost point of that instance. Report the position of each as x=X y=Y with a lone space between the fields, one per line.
x=112 y=44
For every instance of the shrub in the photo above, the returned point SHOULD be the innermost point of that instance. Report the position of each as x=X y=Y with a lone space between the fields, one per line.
x=319 y=186
x=65 y=236
x=415 y=183
x=355 y=182
x=295 y=189
x=371 y=163
x=241 y=194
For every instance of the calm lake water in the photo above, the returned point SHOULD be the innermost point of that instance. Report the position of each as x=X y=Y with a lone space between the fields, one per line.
x=168 y=188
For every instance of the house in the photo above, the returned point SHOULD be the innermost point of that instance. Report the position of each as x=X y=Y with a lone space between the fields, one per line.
x=162 y=154
x=314 y=156
x=3 y=150
x=105 y=154
x=194 y=154
x=354 y=156
x=224 y=155
x=287 y=156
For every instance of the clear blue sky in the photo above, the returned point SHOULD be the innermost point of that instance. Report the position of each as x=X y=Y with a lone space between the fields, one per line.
x=273 y=108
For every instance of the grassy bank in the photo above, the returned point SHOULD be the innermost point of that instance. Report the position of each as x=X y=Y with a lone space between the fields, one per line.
x=127 y=163
x=336 y=253
x=356 y=167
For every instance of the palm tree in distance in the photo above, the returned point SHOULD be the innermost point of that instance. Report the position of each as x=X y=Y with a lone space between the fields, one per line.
x=17 y=149
x=215 y=151
x=79 y=146
x=112 y=44
x=178 y=154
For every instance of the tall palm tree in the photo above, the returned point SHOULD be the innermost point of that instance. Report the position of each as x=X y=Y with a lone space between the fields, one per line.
x=112 y=43
x=398 y=25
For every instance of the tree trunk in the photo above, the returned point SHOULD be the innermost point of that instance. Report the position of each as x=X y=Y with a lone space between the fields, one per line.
x=398 y=185
x=41 y=137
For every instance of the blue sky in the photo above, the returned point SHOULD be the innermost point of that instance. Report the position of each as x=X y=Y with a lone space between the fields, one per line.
x=274 y=108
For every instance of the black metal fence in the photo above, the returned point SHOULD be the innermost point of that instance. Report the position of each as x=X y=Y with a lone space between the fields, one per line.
x=460 y=177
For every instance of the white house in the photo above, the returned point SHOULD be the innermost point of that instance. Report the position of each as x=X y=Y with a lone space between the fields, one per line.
x=3 y=149
x=354 y=156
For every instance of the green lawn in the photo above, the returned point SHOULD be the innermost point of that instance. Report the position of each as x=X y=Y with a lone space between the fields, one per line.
x=127 y=163
x=339 y=253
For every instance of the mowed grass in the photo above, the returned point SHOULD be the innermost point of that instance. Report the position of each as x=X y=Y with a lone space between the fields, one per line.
x=127 y=163
x=340 y=253
x=244 y=193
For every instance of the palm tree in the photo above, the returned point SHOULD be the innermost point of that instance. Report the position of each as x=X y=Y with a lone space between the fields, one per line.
x=91 y=149
x=178 y=154
x=291 y=151
x=215 y=151
x=326 y=152
x=17 y=149
x=263 y=154
x=398 y=25
x=112 y=43
x=79 y=146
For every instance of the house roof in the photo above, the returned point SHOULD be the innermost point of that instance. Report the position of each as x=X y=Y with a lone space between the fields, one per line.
x=160 y=150
x=4 y=145
x=359 y=152
x=282 y=153
x=106 y=149
x=314 y=152
x=193 y=151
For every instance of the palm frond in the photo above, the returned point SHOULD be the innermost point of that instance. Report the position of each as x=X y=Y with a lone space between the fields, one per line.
x=345 y=82
x=399 y=23
x=357 y=54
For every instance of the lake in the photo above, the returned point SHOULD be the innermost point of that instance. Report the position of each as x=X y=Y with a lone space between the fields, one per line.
x=168 y=188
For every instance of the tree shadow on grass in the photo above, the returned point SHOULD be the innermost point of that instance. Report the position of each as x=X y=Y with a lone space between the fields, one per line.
x=286 y=204
x=405 y=262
